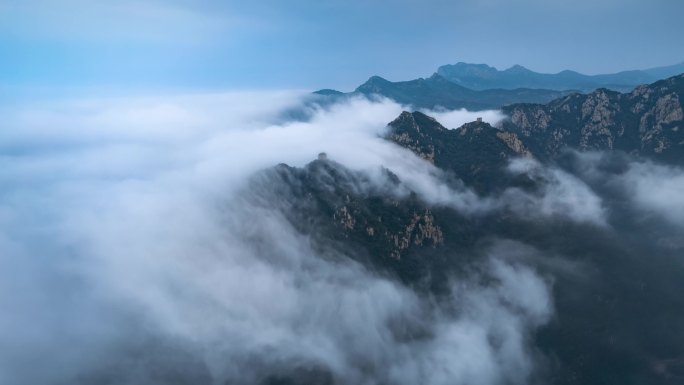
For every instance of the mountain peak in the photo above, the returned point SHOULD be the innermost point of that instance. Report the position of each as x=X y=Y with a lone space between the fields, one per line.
x=480 y=66
x=466 y=70
x=415 y=131
x=415 y=121
x=518 y=69
x=328 y=92
x=476 y=152
x=377 y=79
x=374 y=84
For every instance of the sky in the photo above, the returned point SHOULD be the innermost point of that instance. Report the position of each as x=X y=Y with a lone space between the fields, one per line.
x=125 y=45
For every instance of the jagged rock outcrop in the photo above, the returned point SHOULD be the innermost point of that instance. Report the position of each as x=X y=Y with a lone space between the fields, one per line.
x=647 y=122
x=476 y=152
x=420 y=230
x=407 y=132
x=328 y=199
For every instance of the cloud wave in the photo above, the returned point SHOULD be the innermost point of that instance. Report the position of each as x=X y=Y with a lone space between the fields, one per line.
x=128 y=256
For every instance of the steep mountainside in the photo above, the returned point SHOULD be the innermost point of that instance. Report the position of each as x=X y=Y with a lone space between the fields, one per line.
x=380 y=223
x=482 y=76
x=604 y=286
x=616 y=286
x=476 y=152
x=647 y=121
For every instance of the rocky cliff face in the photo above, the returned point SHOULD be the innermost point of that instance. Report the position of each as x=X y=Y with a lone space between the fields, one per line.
x=476 y=152
x=343 y=209
x=647 y=122
x=417 y=137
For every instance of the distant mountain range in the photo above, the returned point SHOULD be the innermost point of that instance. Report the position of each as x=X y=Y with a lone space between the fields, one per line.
x=482 y=77
x=480 y=87
x=436 y=91
x=646 y=122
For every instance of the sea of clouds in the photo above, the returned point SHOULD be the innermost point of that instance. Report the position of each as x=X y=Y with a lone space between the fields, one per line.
x=127 y=257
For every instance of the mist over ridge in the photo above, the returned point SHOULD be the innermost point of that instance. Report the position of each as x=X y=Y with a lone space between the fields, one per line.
x=171 y=248
x=160 y=255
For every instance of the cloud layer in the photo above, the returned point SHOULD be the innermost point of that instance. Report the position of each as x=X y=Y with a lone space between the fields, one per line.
x=128 y=255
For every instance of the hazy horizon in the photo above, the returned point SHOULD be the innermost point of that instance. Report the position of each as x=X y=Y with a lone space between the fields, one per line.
x=212 y=45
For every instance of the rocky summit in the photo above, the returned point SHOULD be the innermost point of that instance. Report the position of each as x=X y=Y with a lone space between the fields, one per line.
x=645 y=122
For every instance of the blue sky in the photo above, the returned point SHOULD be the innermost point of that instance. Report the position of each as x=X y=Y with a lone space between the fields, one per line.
x=305 y=44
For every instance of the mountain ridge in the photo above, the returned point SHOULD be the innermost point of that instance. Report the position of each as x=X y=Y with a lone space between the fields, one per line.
x=645 y=122
x=438 y=92
x=483 y=76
